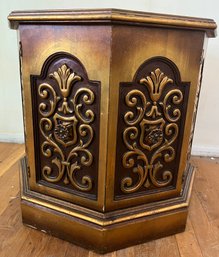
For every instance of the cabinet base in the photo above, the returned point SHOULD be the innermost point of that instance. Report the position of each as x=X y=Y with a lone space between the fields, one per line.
x=105 y=232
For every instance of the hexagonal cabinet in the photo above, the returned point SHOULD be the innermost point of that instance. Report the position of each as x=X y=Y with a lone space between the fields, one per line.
x=109 y=99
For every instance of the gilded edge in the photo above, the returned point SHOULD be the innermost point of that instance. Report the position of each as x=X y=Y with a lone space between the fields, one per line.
x=182 y=202
x=107 y=15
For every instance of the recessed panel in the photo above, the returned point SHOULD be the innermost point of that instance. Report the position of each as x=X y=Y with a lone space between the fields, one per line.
x=66 y=123
x=151 y=118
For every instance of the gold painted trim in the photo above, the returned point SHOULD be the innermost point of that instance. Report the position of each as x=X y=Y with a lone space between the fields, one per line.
x=104 y=223
x=107 y=15
x=60 y=209
x=185 y=204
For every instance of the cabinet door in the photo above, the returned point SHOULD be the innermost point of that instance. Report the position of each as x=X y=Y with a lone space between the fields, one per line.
x=65 y=77
x=66 y=118
x=152 y=111
x=65 y=111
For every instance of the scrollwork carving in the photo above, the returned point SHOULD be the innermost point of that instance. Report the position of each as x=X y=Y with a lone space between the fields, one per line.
x=177 y=98
x=131 y=100
x=87 y=99
x=66 y=118
x=44 y=90
x=152 y=116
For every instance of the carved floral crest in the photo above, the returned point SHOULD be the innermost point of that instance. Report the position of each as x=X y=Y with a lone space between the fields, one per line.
x=65 y=80
x=156 y=83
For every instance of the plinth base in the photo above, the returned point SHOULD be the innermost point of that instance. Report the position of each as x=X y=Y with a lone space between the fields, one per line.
x=105 y=232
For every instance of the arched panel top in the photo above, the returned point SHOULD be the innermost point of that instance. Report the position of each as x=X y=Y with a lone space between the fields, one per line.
x=165 y=65
x=56 y=60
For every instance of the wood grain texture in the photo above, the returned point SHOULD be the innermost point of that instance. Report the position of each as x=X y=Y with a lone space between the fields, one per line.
x=207 y=187
x=79 y=41
x=9 y=187
x=185 y=56
x=201 y=237
x=163 y=247
x=188 y=244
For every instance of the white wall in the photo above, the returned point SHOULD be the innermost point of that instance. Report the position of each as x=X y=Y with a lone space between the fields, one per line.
x=206 y=140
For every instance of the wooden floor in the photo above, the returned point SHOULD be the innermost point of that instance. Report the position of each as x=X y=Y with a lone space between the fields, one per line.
x=201 y=237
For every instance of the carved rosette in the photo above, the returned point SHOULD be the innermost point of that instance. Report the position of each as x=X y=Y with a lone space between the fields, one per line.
x=153 y=108
x=67 y=119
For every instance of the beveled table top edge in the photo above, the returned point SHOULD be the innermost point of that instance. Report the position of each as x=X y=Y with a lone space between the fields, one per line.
x=111 y=16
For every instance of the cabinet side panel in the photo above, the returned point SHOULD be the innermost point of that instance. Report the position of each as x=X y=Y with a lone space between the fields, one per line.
x=131 y=46
x=90 y=45
x=151 y=120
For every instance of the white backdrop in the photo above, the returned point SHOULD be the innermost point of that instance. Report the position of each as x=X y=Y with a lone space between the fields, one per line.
x=206 y=140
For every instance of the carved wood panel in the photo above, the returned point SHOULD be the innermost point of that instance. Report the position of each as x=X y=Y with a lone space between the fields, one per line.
x=151 y=119
x=66 y=123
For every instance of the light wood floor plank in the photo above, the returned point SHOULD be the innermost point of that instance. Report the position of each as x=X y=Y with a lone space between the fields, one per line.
x=128 y=252
x=12 y=233
x=147 y=249
x=206 y=233
x=9 y=154
x=34 y=245
x=13 y=241
x=207 y=186
x=188 y=244
x=9 y=186
x=188 y=225
x=164 y=247
x=76 y=251
x=55 y=248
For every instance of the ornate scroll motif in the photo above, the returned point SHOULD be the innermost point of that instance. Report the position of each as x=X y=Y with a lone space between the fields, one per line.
x=152 y=119
x=66 y=126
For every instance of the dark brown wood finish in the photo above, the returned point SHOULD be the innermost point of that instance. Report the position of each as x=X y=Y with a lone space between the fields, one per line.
x=151 y=120
x=66 y=126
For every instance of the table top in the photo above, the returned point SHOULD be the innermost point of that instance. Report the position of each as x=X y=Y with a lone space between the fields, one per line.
x=111 y=16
